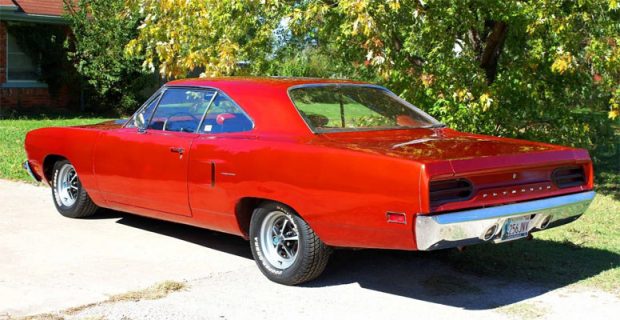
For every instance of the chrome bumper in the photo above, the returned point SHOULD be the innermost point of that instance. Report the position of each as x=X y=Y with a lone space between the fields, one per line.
x=26 y=167
x=469 y=227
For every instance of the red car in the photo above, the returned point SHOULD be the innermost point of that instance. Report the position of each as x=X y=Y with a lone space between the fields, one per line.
x=301 y=166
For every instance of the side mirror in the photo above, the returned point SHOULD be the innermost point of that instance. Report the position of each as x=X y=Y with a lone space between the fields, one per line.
x=140 y=120
x=141 y=123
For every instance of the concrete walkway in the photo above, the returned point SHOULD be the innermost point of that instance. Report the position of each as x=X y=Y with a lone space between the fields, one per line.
x=49 y=263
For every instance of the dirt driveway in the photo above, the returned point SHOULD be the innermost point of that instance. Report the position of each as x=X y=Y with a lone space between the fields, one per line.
x=49 y=264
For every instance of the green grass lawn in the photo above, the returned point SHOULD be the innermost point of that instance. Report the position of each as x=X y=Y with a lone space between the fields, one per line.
x=12 y=133
x=586 y=251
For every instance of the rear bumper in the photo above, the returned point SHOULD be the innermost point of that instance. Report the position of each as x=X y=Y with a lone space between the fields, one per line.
x=26 y=167
x=472 y=226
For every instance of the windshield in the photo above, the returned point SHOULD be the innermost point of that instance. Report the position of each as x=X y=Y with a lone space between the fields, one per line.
x=337 y=107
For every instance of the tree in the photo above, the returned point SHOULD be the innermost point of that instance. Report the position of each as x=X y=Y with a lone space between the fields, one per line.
x=544 y=70
x=180 y=36
x=100 y=31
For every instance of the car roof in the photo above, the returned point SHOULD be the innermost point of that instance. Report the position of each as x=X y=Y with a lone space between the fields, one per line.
x=282 y=82
x=264 y=99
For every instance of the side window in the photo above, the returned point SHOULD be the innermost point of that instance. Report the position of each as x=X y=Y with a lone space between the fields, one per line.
x=139 y=119
x=225 y=115
x=181 y=109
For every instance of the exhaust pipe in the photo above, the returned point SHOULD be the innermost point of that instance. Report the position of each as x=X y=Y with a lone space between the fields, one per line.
x=490 y=233
x=545 y=223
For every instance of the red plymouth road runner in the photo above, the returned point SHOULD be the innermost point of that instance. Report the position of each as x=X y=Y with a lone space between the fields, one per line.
x=301 y=166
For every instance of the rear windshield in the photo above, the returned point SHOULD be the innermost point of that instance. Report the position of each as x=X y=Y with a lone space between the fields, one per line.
x=339 y=107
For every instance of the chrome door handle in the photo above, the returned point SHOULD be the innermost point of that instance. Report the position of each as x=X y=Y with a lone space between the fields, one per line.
x=178 y=150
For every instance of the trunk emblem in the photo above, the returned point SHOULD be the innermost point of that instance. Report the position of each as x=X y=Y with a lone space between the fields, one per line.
x=514 y=176
x=514 y=191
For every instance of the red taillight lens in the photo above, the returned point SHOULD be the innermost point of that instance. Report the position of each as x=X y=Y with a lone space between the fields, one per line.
x=449 y=191
x=568 y=177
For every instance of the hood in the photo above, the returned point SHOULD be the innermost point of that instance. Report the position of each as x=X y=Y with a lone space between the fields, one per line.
x=105 y=125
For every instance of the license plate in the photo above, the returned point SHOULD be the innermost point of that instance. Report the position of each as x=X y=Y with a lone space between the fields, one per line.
x=515 y=228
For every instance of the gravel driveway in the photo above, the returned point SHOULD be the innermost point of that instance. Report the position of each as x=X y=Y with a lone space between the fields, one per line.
x=50 y=263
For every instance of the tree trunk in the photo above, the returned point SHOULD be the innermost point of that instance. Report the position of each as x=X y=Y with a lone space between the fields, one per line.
x=493 y=47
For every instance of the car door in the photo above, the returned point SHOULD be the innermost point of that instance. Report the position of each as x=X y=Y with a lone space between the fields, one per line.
x=145 y=164
x=219 y=163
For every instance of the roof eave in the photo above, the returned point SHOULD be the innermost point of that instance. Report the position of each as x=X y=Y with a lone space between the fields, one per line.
x=8 y=7
x=8 y=15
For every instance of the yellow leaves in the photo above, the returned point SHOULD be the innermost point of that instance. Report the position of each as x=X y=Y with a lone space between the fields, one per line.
x=182 y=35
x=586 y=127
x=427 y=79
x=166 y=4
x=486 y=101
x=357 y=11
x=393 y=4
x=462 y=95
x=132 y=47
x=296 y=15
x=563 y=62
x=364 y=24
x=614 y=102
x=614 y=4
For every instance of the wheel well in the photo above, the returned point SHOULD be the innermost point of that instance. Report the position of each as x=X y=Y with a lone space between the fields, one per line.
x=48 y=165
x=244 y=209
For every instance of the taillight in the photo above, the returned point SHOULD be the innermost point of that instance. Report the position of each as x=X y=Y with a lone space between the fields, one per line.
x=450 y=191
x=566 y=177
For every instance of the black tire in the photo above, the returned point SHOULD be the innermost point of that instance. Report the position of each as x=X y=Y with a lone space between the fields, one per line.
x=83 y=206
x=311 y=254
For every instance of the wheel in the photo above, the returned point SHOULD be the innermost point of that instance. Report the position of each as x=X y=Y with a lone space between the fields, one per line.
x=70 y=198
x=285 y=248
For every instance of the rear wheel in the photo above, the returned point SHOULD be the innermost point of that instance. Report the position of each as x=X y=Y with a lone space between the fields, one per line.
x=284 y=247
x=70 y=198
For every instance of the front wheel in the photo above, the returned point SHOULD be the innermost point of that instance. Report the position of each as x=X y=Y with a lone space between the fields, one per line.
x=284 y=247
x=70 y=198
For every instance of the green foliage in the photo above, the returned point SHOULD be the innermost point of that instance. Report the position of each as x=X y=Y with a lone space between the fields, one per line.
x=306 y=61
x=542 y=70
x=211 y=35
x=495 y=67
x=101 y=30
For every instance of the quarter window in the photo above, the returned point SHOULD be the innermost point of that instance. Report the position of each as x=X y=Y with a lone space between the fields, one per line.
x=224 y=115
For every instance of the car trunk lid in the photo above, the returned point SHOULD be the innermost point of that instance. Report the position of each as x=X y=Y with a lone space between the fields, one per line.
x=501 y=170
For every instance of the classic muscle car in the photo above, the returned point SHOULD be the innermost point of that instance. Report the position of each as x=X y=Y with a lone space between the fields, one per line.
x=301 y=166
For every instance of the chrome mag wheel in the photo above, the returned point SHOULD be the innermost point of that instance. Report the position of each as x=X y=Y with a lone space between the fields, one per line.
x=67 y=186
x=284 y=246
x=279 y=239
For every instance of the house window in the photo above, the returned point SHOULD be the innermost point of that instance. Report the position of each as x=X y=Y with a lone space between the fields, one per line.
x=20 y=66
